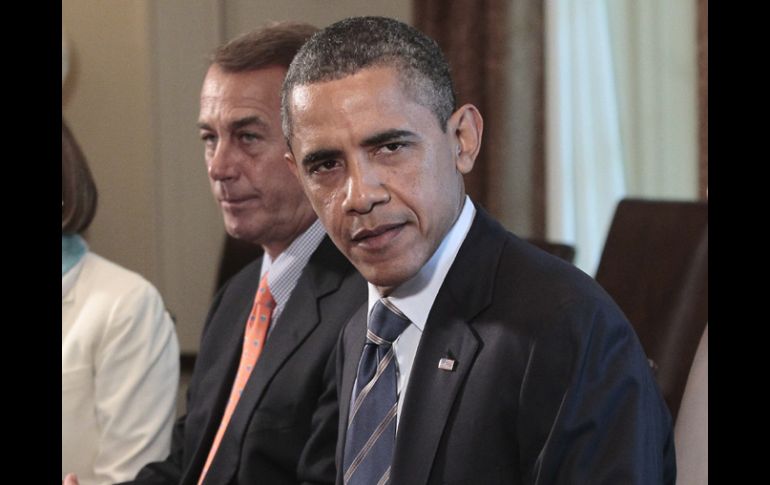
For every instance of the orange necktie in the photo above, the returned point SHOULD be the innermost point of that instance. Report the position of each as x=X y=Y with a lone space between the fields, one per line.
x=253 y=341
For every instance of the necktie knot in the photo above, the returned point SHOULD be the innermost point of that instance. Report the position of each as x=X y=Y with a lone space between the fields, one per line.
x=264 y=297
x=385 y=325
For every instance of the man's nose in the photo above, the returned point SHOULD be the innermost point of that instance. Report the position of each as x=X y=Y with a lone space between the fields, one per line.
x=364 y=187
x=223 y=162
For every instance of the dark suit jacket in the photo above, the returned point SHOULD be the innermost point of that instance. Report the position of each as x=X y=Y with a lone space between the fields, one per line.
x=550 y=383
x=272 y=421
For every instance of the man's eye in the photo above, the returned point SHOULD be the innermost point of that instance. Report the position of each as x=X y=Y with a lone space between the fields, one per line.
x=324 y=166
x=392 y=147
x=208 y=139
x=248 y=137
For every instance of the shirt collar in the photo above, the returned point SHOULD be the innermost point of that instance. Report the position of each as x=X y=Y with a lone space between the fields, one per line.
x=285 y=270
x=415 y=297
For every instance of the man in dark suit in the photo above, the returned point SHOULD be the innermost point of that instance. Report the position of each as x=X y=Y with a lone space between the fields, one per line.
x=478 y=359
x=314 y=288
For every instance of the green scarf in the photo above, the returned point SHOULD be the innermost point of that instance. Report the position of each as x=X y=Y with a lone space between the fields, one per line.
x=73 y=247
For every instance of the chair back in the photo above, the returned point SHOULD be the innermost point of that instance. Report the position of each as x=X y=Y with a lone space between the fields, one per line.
x=235 y=255
x=655 y=266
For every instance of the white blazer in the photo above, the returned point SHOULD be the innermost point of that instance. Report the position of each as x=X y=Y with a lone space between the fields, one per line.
x=119 y=372
x=691 y=431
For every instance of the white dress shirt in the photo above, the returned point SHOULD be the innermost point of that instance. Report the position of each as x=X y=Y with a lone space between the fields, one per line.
x=415 y=297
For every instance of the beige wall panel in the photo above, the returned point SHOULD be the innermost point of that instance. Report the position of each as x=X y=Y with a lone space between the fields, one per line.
x=107 y=104
x=242 y=15
x=183 y=33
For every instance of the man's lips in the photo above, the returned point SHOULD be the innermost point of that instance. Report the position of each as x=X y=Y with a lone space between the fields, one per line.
x=234 y=201
x=376 y=237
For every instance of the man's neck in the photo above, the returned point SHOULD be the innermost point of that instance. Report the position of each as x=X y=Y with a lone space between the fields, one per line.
x=275 y=248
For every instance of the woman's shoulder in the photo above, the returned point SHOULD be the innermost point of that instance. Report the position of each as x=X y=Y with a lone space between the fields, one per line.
x=109 y=277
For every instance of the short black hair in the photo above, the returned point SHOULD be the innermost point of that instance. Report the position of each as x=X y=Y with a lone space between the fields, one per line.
x=356 y=43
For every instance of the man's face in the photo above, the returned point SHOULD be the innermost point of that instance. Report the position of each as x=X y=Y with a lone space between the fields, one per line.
x=240 y=125
x=383 y=177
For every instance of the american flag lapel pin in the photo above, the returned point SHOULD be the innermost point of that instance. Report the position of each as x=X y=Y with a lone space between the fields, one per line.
x=446 y=364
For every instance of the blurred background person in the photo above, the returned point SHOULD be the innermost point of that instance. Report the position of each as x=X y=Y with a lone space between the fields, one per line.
x=120 y=355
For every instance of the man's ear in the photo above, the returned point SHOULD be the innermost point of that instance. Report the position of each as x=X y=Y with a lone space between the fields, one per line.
x=466 y=127
x=289 y=158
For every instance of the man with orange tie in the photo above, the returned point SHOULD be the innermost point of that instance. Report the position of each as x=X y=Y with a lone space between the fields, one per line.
x=266 y=352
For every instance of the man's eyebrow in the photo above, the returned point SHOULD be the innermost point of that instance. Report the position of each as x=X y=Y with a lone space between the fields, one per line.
x=239 y=123
x=387 y=136
x=250 y=120
x=318 y=155
x=374 y=140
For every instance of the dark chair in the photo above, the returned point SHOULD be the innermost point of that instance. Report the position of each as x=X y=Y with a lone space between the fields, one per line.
x=655 y=265
x=563 y=251
x=235 y=255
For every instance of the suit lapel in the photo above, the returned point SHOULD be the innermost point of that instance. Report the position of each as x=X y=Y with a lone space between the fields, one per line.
x=299 y=318
x=354 y=336
x=431 y=391
x=229 y=323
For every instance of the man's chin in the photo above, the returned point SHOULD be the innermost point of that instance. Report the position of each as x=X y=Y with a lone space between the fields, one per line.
x=385 y=276
x=242 y=233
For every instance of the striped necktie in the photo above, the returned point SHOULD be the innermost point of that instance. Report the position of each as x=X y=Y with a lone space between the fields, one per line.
x=371 y=432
